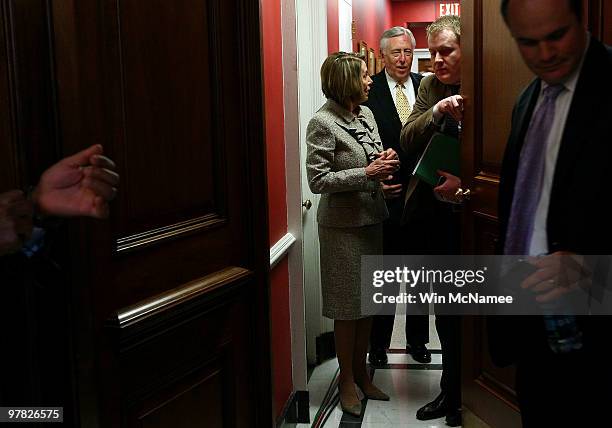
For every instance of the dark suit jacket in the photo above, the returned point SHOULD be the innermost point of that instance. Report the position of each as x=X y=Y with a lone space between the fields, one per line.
x=431 y=225
x=380 y=101
x=577 y=220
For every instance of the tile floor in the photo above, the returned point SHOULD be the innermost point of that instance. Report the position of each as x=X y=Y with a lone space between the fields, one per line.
x=409 y=387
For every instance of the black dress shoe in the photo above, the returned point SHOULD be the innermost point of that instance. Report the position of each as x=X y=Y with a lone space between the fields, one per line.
x=378 y=357
x=419 y=353
x=453 y=418
x=434 y=410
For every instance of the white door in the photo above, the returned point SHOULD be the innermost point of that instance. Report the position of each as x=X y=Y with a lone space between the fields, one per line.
x=345 y=20
x=312 y=51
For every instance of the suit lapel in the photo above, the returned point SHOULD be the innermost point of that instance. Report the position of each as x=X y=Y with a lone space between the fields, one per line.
x=524 y=112
x=386 y=99
x=416 y=82
x=583 y=110
x=520 y=123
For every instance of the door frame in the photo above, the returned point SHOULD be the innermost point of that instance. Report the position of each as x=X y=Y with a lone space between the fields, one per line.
x=293 y=174
x=311 y=19
x=345 y=6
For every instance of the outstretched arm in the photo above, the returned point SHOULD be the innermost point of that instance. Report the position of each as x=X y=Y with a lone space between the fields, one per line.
x=79 y=185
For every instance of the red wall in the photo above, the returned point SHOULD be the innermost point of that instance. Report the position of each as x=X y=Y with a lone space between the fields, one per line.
x=281 y=335
x=414 y=11
x=371 y=18
x=277 y=202
x=332 y=26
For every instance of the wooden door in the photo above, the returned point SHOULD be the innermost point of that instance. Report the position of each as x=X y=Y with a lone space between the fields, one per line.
x=493 y=76
x=167 y=300
x=598 y=14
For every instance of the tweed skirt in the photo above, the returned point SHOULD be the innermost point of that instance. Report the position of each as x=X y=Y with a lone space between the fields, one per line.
x=341 y=249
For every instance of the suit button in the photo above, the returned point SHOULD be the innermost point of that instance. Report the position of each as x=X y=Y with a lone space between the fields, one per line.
x=373 y=195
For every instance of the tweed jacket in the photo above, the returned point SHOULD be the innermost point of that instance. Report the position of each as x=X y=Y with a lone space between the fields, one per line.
x=340 y=145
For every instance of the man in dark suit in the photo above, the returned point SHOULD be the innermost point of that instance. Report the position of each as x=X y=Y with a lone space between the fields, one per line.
x=392 y=95
x=553 y=182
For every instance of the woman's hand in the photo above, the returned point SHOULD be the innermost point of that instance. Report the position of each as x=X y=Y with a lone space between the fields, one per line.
x=382 y=169
x=388 y=154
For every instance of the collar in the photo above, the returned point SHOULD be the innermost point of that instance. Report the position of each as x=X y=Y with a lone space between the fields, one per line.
x=342 y=112
x=392 y=82
x=347 y=119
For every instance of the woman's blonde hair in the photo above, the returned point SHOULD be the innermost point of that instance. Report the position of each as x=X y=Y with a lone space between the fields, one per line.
x=341 y=78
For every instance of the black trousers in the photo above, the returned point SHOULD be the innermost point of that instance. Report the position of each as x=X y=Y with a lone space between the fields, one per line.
x=436 y=230
x=417 y=330
x=449 y=332
x=396 y=241
x=573 y=390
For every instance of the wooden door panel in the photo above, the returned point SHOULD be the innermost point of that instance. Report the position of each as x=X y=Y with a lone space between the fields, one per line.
x=8 y=156
x=493 y=75
x=504 y=75
x=606 y=20
x=169 y=96
x=199 y=377
x=171 y=292
x=152 y=107
x=27 y=121
x=487 y=390
x=598 y=15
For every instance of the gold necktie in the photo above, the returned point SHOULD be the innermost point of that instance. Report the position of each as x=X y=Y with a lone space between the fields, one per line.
x=401 y=103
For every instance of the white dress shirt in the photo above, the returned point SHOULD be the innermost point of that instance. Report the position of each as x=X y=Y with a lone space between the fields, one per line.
x=408 y=89
x=539 y=237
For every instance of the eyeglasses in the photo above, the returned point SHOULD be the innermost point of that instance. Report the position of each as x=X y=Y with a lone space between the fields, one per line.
x=396 y=54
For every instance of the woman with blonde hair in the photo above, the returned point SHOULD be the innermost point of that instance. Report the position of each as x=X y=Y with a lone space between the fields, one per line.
x=346 y=163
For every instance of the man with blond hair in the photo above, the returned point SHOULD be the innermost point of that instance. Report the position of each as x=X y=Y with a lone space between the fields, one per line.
x=433 y=215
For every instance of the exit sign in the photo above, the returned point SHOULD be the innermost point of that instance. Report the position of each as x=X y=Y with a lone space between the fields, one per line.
x=448 y=8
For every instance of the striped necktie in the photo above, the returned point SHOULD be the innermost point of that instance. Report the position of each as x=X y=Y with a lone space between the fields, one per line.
x=530 y=175
x=401 y=103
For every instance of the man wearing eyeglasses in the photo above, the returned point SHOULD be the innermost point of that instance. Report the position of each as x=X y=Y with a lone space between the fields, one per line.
x=391 y=99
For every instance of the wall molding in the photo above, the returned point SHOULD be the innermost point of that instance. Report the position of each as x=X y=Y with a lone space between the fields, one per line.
x=295 y=411
x=280 y=249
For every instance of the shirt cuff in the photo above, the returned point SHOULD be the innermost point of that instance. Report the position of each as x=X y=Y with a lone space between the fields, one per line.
x=437 y=117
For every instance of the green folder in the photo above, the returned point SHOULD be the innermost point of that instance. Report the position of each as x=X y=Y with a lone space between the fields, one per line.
x=442 y=152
